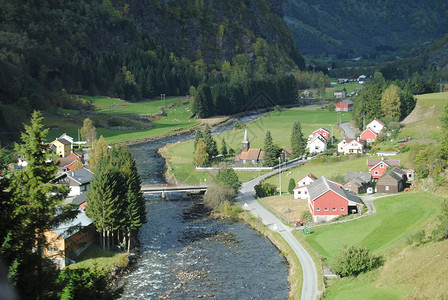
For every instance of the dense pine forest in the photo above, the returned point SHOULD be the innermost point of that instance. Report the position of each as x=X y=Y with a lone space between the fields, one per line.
x=375 y=30
x=110 y=48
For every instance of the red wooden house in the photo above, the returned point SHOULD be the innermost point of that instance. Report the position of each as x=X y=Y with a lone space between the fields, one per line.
x=327 y=200
x=344 y=105
x=377 y=167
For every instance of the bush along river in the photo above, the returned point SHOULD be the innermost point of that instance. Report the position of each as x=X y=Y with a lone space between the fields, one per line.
x=185 y=254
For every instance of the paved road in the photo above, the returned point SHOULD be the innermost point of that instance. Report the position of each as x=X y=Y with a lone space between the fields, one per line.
x=248 y=202
x=348 y=129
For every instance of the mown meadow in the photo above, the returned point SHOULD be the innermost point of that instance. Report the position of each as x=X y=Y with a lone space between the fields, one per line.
x=176 y=118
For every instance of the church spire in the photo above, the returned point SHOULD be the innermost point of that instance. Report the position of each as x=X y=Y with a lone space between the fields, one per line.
x=245 y=145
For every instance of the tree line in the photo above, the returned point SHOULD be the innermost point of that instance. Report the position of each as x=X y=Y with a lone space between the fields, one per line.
x=227 y=98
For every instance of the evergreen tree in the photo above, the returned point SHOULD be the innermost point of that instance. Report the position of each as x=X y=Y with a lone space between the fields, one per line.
x=84 y=283
x=291 y=185
x=200 y=157
x=298 y=143
x=224 y=151
x=203 y=103
x=134 y=213
x=35 y=206
x=229 y=178
x=212 y=148
x=270 y=151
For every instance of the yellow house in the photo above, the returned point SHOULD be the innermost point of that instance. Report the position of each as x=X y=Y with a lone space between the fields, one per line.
x=62 y=147
x=72 y=237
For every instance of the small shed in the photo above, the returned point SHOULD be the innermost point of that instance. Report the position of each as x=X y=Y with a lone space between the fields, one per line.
x=393 y=181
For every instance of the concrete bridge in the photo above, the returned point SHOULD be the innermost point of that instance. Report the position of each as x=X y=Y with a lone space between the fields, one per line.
x=166 y=188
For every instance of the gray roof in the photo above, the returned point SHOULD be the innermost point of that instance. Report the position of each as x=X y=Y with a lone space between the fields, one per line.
x=364 y=177
x=323 y=185
x=348 y=101
x=79 y=199
x=81 y=220
x=81 y=176
x=63 y=141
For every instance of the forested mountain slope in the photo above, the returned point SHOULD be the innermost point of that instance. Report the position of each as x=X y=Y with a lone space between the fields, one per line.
x=349 y=28
x=132 y=50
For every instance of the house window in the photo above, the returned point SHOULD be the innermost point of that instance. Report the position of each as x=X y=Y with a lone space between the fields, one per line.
x=299 y=192
x=304 y=183
x=305 y=192
x=376 y=172
x=318 y=209
x=387 y=187
x=49 y=249
x=55 y=249
x=381 y=166
x=326 y=208
x=342 y=208
x=334 y=209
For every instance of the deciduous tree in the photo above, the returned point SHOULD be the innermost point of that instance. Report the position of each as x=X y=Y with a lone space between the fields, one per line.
x=200 y=157
x=88 y=131
x=391 y=101
x=98 y=151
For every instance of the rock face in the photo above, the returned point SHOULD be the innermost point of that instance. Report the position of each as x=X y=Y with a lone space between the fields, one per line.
x=213 y=29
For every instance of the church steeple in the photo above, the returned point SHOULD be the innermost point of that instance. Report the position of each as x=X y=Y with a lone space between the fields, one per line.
x=245 y=145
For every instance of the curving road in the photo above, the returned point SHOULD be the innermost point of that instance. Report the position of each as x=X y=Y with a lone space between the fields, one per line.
x=247 y=200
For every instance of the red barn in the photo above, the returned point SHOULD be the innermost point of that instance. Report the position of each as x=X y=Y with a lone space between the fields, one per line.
x=327 y=200
x=344 y=105
x=377 y=167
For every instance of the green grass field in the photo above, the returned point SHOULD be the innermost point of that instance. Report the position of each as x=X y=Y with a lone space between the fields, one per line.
x=383 y=233
x=424 y=122
x=118 y=106
x=396 y=216
x=176 y=119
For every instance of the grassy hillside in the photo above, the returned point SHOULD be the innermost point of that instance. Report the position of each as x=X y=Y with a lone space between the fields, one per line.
x=423 y=123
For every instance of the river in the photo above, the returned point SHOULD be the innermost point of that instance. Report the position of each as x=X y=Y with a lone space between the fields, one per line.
x=185 y=254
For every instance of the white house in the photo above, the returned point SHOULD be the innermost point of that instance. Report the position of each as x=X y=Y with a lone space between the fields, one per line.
x=317 y=144
x=376 y=125
x=339 y=94
x=301 y=191
x=78 y=180
x=350 y=146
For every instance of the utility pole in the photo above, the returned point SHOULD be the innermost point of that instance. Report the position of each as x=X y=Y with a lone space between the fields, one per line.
x=280 y=174
x=162 y=100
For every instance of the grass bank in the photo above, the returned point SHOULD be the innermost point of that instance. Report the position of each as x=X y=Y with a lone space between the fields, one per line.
x=95 y=257
x=385 y=234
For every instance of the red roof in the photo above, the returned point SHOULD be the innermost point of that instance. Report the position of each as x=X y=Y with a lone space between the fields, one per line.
x=373 y=162
x=252 y=154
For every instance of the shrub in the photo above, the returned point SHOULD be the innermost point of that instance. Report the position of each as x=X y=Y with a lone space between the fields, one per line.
x=291 y=185
x=353 y=260
x=218 y=194
x=264 y=189
x=306 y=217
x=418 y=238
